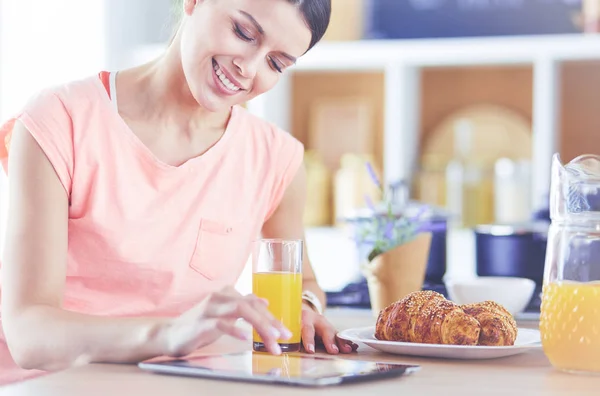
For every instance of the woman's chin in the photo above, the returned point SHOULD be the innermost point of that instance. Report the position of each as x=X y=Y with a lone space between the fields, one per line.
x=207 y=100
x=214 y=105
x=217 y=103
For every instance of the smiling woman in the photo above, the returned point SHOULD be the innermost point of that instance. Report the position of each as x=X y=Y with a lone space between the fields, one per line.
x=246 y=47
x=135 y=197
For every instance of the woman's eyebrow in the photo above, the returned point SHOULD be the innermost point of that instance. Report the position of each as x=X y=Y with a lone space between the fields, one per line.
x=262 y=32
x=254 y=21
x=290 y=57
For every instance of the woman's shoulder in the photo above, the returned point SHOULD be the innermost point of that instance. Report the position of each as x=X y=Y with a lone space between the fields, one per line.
x=49 y=115
x=265 y=132
x=71 y=94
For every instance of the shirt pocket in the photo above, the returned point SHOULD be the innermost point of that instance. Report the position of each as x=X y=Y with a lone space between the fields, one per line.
x=221 y=250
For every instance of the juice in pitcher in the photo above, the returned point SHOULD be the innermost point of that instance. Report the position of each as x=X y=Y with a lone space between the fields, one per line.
x=570 y=325
x=283 y=290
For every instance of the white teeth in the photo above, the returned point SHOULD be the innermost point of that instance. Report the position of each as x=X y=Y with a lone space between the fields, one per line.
x=228 y=84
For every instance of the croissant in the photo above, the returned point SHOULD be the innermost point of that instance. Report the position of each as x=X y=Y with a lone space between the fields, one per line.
x=498 y=327
x=426 y=317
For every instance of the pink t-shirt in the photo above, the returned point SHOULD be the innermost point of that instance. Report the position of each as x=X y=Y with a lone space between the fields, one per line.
x=145 y=237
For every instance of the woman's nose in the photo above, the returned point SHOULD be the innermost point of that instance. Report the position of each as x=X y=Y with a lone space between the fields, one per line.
x=247 y=67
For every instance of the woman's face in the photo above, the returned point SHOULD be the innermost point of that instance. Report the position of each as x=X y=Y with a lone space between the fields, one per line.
x=234 y=50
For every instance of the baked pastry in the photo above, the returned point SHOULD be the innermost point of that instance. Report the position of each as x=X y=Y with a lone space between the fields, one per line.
x=498 y=327
x=426 y=317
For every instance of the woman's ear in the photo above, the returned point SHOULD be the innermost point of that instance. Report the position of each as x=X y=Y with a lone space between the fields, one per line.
x=189 y=5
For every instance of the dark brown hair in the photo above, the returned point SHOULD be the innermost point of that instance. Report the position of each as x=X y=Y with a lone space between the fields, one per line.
x=316 y=14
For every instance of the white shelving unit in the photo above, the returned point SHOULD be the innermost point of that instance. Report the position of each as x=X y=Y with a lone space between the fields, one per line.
x=402 y=61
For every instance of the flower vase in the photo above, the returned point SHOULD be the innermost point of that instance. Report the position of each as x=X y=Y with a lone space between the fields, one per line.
x=397 y=272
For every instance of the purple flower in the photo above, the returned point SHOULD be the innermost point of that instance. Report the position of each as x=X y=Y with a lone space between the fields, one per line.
x=385 y=230
x=370 y=203
x=373 y=175
x=387 y=233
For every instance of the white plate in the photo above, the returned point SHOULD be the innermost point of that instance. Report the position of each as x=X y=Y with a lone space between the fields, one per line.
x=527 y=339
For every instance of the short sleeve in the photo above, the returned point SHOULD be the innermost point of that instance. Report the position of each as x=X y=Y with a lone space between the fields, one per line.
x=287 y=162
x=50 y=124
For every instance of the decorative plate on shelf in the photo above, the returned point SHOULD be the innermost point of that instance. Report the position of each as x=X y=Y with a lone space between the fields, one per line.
x=527 y=339
x=496 y=132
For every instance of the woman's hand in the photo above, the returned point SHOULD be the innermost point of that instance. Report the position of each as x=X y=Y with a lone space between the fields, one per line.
x=317 y=329
x=216 y=316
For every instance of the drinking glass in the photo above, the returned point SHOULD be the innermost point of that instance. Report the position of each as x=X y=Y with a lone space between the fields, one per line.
x=277 y=277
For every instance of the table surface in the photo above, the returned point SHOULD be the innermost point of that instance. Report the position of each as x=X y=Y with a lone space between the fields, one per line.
x=528 y=373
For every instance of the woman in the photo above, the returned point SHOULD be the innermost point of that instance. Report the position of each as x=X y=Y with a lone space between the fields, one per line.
x=134 y=197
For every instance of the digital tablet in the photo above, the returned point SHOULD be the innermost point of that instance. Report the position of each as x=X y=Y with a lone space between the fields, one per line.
x=287 y=369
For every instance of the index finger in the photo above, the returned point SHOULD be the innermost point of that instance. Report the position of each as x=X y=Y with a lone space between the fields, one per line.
x=254 y=312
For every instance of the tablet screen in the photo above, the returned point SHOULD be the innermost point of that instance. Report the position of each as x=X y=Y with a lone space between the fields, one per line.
x=295 y=368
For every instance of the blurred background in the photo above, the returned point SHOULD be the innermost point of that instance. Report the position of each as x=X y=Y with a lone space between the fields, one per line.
x=457 y=104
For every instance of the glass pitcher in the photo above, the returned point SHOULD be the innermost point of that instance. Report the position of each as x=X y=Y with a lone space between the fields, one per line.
x=570 y=311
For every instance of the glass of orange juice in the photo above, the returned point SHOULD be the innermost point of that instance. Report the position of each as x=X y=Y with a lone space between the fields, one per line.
x=277 y=277
x=570 y=312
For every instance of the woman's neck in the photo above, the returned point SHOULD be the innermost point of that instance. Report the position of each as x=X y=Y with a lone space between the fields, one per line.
x=157 y=92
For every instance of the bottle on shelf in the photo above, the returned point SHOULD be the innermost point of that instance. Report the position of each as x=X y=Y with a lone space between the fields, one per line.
x=352 y=184
x=512 y=191
x=469 y=181
x=430 y=181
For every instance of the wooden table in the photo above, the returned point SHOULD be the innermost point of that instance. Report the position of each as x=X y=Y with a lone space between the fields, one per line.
x=526 y=374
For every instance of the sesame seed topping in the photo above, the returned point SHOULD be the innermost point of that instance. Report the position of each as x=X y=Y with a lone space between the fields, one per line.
x=428 y=317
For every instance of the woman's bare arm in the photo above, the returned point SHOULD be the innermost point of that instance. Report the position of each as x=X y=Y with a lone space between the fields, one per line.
x=40 y=334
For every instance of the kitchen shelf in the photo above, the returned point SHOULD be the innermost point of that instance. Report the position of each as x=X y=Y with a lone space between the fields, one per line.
x=369 y=55
x=401 y=61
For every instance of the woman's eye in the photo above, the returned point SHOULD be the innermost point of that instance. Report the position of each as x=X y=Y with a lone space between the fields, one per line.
x=275 y=65
x=239 y=31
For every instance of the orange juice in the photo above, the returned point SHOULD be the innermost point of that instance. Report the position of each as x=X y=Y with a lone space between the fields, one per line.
x=283 y=290
x=570 y=325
